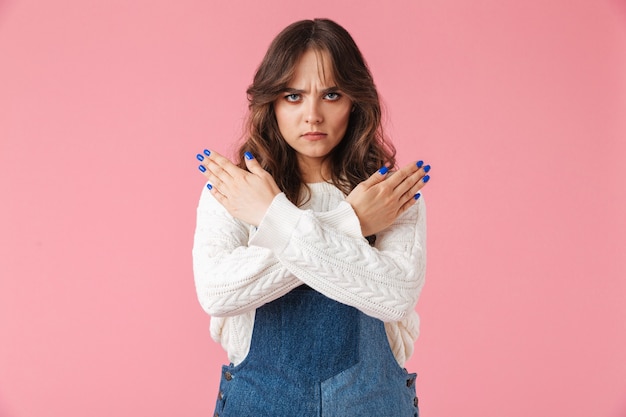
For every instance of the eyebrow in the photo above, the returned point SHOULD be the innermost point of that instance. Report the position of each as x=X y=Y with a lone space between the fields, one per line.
x=324 y=91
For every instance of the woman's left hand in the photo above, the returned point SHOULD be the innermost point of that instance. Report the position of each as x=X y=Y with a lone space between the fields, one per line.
x=246 y=195
x=380 y=199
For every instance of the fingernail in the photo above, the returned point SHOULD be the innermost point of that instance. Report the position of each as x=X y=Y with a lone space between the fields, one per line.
x=207 y=152
x=426 y=178
x=248 y=155
x=419 y=164
x=383 y=170
x=200 y=157
x=209 y=186
x=426 y=168
x=202 y=168
x=416 y=196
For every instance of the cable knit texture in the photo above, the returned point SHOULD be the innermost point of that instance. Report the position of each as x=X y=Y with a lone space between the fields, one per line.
x=238 y=267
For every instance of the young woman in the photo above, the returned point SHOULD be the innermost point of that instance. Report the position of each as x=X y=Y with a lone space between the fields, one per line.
x=309 y=254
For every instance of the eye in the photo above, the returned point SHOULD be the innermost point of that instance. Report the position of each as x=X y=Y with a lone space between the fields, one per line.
x=332 y=96
x=292 y=98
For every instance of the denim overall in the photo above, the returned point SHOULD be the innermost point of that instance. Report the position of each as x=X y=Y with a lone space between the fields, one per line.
x=311 y=356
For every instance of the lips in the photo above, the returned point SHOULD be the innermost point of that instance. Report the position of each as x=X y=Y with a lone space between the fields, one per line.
x=314 y=135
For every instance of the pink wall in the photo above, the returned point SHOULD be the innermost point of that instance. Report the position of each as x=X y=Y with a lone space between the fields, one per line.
x=519 y=106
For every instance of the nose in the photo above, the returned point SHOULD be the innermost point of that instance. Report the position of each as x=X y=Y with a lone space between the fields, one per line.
x=313 y=112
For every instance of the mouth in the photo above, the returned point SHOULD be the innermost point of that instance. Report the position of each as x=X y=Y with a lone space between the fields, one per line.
x=314 y=136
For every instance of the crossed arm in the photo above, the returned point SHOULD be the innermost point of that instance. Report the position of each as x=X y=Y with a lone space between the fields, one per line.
x=236 y=273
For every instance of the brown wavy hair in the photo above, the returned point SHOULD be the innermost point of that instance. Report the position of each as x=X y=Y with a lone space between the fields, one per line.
x=363 y=148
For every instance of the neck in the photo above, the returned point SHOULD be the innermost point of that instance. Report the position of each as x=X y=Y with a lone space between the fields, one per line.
x=317 y=170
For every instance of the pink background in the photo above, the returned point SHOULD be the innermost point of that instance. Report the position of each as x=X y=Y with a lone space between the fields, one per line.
x=519 y=106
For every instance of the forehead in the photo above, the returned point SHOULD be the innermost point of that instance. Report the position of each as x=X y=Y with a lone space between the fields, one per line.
x=314 y=66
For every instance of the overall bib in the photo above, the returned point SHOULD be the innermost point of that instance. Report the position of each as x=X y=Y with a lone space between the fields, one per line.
x=311 y=356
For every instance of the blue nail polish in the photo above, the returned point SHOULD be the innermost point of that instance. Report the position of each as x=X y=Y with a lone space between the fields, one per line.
x=426 y=168
x=209 y=186
x=202 y=168
x=248 y=155
x=207 y=152
x=416 y=196
x=426 y=178
x=383 y=170
x=200 y=157
x=419 y=164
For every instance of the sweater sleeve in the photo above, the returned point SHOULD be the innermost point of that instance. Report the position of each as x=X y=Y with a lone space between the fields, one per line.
x=231 y=277
x=383 y=281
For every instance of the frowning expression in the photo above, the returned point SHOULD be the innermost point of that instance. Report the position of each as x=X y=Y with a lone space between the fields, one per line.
x=313 y=113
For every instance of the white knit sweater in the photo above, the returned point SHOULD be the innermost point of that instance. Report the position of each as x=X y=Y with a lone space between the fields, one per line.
x=238 y=267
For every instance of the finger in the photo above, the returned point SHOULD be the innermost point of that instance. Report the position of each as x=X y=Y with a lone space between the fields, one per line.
x=409 y=203
x=376 y=177
x=399 y=177
x=202 y=157
x=252 y=164
x=207 y=165
x=216 y=181
x=221 y=198
x=426 y=176
x=411 y=185
x=218 y=177
x=223 y=173
x=215 y=159
x=412 y=196
x=421 y=182
x=417 y=171
x=415 y=190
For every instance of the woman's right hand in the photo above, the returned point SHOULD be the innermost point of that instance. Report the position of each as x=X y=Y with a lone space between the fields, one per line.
x=381 y=198
x=246 y=195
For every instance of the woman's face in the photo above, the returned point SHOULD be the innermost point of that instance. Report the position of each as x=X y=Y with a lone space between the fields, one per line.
x=312 y=114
